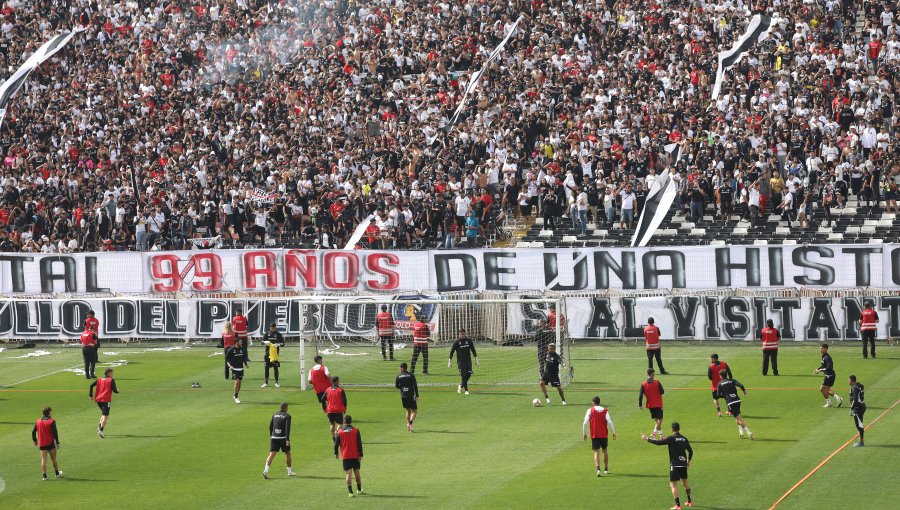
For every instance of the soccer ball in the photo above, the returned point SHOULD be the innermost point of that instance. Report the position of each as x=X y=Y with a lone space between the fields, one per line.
x=536 y=402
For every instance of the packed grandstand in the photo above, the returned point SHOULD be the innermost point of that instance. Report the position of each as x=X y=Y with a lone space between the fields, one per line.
x=190 y=124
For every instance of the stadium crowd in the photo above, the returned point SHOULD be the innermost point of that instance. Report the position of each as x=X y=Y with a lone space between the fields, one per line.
x=289 y=119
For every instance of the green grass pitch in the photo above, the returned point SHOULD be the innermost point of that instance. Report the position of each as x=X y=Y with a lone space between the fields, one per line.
x=170 y=446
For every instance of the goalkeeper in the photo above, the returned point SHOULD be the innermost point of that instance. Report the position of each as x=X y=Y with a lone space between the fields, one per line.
x=465 y=348
x=546 y=335
x=273 y=342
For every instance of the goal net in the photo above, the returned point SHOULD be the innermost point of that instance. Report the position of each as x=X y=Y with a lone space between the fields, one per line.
x=508 y=335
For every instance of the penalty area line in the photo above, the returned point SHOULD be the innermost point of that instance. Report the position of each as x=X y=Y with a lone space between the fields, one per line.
x=35 y=378
x=833 y=454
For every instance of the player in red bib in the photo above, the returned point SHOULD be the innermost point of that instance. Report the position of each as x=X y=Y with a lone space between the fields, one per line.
x=651 y=339
x=89 y=353
x=653 y=390
x=240 y=328
x=320 y=380
x=384 y=321
x=91 y=323
x=46 y=437
x=348 y=442
x=229 y=337
x=106 y=386
x=868 y=324
x=770 y=336
x=335 y=404
x=712 y=373
x=598 y=423
x=421 y=334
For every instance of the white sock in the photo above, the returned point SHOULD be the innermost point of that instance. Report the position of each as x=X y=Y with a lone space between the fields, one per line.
x=740 y=431
x=747 y=430
x=290 y=470
x=266 y=469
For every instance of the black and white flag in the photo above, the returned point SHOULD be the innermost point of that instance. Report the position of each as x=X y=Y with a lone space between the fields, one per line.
x=15 y=82
x=757 y=31
x=659 y=200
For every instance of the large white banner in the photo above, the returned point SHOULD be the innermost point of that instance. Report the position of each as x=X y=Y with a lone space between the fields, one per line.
x=204 y=318
x=560 y=270
x=711 y=317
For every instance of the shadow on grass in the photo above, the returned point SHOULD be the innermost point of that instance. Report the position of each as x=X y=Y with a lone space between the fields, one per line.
x=92 y=480
x=136 y=436
x=635 y=475
x=443 y=431
x=304 y=477
x=382 y=442
x=882 y=445
x=391 y=496
x=773 y=440
x=22 y=422
x=721 y=507
x=502 y=393
x=708 y=442
x=762 y=417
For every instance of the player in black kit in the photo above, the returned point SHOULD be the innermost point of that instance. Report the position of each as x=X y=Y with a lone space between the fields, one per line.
x=680 y=455
x=858 y=408
x=236 y=359
x=827 y=368
x=551 y=373
x=409 y=394
x=273 y=342
x=280 y=434
x=465 y=348
x=728 y=389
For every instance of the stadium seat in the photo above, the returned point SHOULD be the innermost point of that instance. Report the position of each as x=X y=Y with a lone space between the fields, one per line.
x=739 y=231
x=782 y=231
x=876 y=241
x=760 y=242
x=852 y=230
x=569 y=239
x=545 y=233
x=717 y=242
x=867 y=229
x=835 y=237
x=789 y=242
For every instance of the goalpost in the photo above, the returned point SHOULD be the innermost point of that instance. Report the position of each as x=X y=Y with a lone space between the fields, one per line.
x=507 y=333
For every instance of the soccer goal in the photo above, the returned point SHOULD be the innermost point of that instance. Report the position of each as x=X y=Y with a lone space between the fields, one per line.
x=508 y=335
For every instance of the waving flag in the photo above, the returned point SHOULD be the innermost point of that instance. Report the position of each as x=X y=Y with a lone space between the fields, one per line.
x=757 y=31
x=659 y=200
x=15 y=82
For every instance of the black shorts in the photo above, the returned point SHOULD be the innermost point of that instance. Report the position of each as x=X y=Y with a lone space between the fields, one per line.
x=410 y=403
x=552 y=380
x=351 y=464
x=465 y=369
x=237 y=374
x=104 y=408
x=828 y=381
x=49 y=447
x=599 y=443
x=715 y=396
x=321 y=398
x=279 y=445
x=656 y=413
x=677 y=473
x=276 y=364
x=336 y=418
x=735 y=409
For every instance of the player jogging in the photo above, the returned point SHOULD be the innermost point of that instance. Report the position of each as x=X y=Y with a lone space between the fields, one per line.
x=384 y=321
x=273 y=342
x=715 y=366
x=320 y=380
x=409 y=395
x=653 y=390
x=236 y=359
x=858 y=408
x=651 y=339
x=348 y=441
x=550 y=375
x=228 y=339
x=868 y=324
x=335 y=404
x=770 y=336
x=280 y=439
x=106 y=386
x=45 y=436
x=598 y=423
x=89 y=353
x=727 y=389
x=827 y=368
x=680 y=455
x=465 y=349
x=421 y=334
